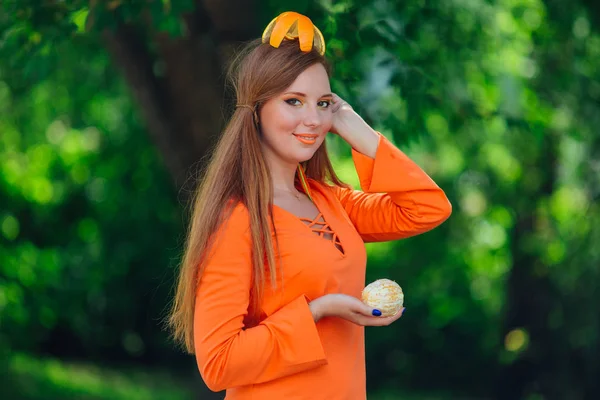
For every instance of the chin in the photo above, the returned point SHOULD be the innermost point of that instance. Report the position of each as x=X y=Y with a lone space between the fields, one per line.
x=305 y=155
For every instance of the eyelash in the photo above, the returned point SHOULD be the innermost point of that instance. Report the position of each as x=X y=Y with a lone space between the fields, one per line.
x=291 y=102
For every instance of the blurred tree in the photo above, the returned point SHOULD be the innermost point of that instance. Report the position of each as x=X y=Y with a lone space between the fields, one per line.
x=173 y=58
x=538 y=305
x=171 y=53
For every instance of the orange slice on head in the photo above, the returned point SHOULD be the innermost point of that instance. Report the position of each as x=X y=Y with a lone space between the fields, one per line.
x=291 y=25
x=306 y=33
x=278 y=28
x=268 y=30
x=319 y=41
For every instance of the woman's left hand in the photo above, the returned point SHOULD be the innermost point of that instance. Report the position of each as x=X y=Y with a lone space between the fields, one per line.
x=352 y=128
x=341 y=113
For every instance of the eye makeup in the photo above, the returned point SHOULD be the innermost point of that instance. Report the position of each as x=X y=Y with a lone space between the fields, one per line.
x=293 y=101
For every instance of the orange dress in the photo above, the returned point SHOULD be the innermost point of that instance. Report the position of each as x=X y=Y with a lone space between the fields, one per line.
x=287 y=355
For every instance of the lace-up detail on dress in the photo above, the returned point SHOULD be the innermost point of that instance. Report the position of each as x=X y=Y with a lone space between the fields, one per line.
x=319 y=226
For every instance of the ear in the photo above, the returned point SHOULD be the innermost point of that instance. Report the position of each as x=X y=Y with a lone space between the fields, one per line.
x=256 y=114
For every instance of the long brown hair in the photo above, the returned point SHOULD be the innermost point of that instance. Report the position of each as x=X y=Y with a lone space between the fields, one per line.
x=237 y=172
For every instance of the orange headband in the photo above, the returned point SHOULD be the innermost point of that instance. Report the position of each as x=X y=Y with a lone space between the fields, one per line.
x=291 y=25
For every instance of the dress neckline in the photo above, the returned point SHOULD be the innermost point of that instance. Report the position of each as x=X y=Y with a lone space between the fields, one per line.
x=308 y=223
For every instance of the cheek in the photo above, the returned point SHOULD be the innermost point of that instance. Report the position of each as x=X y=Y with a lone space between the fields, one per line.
x=327 y=122
x=280 y=121
x=287 y=122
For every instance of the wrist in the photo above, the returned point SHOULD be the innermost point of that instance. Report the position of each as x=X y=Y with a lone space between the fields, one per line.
x=316 y=309
x=347 y=118
x=357 y=133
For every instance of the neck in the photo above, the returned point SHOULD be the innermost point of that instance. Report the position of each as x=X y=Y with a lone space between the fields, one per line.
x=283 y=174
x=283 y=177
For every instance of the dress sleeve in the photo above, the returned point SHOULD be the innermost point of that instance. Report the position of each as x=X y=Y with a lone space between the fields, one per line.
x=398 y=199
x=228 y=354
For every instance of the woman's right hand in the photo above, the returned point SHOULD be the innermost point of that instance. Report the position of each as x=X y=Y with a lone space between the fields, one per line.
x=349 y=308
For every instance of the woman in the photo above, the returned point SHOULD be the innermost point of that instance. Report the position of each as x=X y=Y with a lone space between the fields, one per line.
x=275 y=261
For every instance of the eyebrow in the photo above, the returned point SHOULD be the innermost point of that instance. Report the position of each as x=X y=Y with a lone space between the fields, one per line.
x=304 y=95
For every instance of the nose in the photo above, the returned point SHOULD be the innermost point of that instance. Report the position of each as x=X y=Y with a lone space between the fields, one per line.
x=312 y=117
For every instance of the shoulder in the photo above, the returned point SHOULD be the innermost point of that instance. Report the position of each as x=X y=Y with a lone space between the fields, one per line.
x=236 y=211
x=328 y=190
x=231 y=236
x=234 y=221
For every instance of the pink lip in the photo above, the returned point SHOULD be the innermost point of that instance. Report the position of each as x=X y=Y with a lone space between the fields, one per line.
x=307 y=138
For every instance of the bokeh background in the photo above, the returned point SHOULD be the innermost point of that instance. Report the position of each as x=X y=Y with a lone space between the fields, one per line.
x=107 y=109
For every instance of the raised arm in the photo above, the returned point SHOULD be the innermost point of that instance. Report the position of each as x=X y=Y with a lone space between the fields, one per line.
x=398 y=199
x=228 y=354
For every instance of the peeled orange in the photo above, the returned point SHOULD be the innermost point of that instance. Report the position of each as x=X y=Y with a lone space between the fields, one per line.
x=384 y=295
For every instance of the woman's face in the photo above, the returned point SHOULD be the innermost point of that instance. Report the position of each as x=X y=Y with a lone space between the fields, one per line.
x=295 y=122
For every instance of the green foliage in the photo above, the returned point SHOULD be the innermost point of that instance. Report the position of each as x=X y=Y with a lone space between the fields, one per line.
x=87 y=213
x=54 y=379
x=470 y=91
x=47 y=378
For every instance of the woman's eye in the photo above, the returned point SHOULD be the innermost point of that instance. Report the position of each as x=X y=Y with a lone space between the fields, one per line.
x=293 y=102
x=324 y=103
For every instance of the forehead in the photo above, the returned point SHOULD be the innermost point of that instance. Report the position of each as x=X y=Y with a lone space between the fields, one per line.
x=312 y=81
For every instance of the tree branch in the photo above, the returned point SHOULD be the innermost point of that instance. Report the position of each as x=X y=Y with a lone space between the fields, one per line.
x=131 y=55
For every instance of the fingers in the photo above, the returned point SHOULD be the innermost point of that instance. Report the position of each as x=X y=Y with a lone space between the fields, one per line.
x=336 y=106
x=368 y=311
x=338 y=103
x=396 y=316
x=379 y=321
x=354 y=310
x=369 y=316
